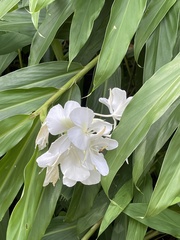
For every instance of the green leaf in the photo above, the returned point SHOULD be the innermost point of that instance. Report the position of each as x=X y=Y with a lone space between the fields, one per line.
x=167 y=221
x=157 y=136
x=7 y=5
x=85 y=13
x=137 y=230
x=10 y=42
x=82 y=201
x=118 y=37
x=117 y=205
x=72 y=93
x=95 y=214
x=12 y=130
x=19 y=21
x=5 y=60
x=166 y=188
x=94 y=42
x=57 y=13
x=50 y=74
x=3 y=226
x=37 y=5
x=157 y=52
x=157 y=95
x=29 y=211
x=11 y=168
x=155 y=12
x=59 y=229
x=23 y=101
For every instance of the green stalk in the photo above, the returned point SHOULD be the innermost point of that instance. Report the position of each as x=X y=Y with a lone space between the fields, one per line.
x=91 y=231
x=43 y=109
x=20 y=58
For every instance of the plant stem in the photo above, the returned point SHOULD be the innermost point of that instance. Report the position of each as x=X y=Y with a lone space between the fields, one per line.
x=151 y=235
x=66 y=86
x=20 y=58
x=91 y=231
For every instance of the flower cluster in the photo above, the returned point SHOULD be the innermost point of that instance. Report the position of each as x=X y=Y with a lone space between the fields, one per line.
x=82 y=138
x=78 y=148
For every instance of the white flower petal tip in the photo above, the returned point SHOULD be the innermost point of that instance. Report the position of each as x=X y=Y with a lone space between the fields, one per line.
x=116 y=103
x=42 y=137
x=52 y=175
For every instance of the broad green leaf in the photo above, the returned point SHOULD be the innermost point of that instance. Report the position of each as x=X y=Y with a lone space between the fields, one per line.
x=120 y=227
x=59 y=229
x=117 y=205
x=167 y=186
x=12 y=130
x=157 y=136
x=157 y=95
x=157 y=52
x=42 y=3
x=5 y=60
x=118 y=37
x=85 y=13
x=50 y=74
x=167 y=221
x=37 y=203
x=94 y=42
x=37 y=5
x=155 y=12
x=95 y=214
x=18 y=21
x=11 y=42
x=11 y=168
x=137 y=230
x=23 y=101
x=72 y=93
x=3 y=226
x=7 y=5
x=57 y=13
x=82 y=201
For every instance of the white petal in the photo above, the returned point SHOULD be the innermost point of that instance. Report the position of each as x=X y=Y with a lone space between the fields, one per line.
x=47 y=159
x=118 y=97
x=82 y=117
x=101 y=127
x=71 y=166
x=94 y=178
x=52 y=175
x=68 y=182
x=60 y=145
x=105 y=102
x=42 y=137
x=107 y=143
x=56 y=120
x=100 y=163
x=78 y=137
x=98 y=143
x=69 y=106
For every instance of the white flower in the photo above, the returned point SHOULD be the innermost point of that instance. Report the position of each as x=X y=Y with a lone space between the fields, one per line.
x=51 y=158
x=42 y=137
x=78 y=151
x=84 y=126
x=94 y=152
x=117 y=102
x=72 y=167
x=58 y=120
